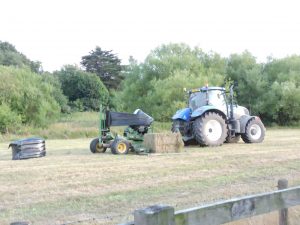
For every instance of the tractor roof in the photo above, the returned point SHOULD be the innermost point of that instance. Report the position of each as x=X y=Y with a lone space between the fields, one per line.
x=206 y=89
x=213 y=88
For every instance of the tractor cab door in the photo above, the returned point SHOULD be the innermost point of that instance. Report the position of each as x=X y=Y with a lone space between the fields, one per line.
x=217 y=98
x=211 y=97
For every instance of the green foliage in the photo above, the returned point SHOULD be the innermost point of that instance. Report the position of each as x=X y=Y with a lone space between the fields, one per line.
x=271 y=90
x=27 y=98
x=9 y=56
x=156 y=86
x=251 y=84
x=84 y=90
x=57 y=91
x=9 y=120
x=283 y=98
x=168 y=95
x=106 y=65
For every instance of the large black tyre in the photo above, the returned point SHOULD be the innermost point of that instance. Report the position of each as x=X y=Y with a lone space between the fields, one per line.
x=175 y=125
x=234 y=139
x=254 y=131
x=210 y=129
x=95 y=147
x=190 y=142
x=120 y=147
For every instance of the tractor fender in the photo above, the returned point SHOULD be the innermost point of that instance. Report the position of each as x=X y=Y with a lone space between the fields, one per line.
x=243 y=122
x=200 y=111
x=183 y=114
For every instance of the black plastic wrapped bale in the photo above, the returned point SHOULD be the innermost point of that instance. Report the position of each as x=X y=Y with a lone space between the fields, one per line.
x=28 y=148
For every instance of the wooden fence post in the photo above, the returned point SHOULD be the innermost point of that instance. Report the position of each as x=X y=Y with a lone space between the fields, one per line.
x=155 y=215
x=283 y=213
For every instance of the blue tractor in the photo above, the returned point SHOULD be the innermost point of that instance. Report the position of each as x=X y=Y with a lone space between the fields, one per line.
x=212 y=118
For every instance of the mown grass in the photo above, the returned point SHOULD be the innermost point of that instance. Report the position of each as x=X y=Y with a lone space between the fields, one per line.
x=71 y=184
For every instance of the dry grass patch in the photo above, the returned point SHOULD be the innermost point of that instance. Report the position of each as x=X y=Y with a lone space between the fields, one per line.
x=72 y=184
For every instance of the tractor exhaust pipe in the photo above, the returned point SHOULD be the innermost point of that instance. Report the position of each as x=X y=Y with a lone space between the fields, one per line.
x=231 y=102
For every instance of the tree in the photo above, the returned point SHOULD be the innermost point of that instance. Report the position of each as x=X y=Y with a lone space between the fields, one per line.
x=156 y=85
x=9 y=56
x=269 y=90
x=106 y=65
x=25 y=98
x=84 y=90
x=57 y=91
x=244 y=69
x=282 y=97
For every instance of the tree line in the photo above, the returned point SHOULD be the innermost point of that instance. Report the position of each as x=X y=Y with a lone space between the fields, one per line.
x=31 y=96
x=270 y=90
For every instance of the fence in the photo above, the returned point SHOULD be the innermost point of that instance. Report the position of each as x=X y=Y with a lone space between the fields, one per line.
x=225 y=211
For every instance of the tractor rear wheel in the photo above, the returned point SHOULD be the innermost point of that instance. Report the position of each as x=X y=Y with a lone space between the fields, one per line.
x=120 y=147
x=210 y=129
x=96 y=147
x=254 y=131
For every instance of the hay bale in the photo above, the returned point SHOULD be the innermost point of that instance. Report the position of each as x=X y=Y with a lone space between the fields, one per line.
x=163 y=142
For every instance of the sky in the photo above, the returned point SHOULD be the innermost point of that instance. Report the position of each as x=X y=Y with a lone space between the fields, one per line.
x=60 y=32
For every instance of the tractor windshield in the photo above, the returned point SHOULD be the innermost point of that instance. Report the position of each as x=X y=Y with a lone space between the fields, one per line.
x=213 y=97
x=197 y=100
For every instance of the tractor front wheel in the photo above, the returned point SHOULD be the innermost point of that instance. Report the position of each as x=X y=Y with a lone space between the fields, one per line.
x=120 y=147
x=210 y=129
x=254 y=131
x=96 y=147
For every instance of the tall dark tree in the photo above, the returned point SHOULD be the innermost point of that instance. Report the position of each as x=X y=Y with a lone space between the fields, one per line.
x=106 y=65
x=9 y=56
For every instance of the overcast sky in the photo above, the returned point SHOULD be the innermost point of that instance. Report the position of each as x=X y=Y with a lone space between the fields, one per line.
x=59 y=32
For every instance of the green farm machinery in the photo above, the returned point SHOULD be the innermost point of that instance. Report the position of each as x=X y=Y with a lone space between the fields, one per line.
x=137 y=125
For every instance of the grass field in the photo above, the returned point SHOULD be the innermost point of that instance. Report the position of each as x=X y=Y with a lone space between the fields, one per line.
x=71 y=184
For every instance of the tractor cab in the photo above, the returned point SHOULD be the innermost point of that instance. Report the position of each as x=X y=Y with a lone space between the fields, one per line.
x=214 y=96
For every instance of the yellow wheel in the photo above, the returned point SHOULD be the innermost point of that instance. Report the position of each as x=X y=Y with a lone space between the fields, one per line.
x=97 y=147
x=120 y=147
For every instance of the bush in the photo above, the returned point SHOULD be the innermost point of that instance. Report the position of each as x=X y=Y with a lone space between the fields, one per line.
x=84 y=90
x=25 y=95
x=57 y=92
x=9 y=120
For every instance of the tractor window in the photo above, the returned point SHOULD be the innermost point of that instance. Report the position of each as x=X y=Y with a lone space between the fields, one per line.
x=197 y=100
x=215 y=97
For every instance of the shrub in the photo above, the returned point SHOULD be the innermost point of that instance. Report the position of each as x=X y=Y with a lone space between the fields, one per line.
x=84 y=90
x=9 y=120
x=26 y=97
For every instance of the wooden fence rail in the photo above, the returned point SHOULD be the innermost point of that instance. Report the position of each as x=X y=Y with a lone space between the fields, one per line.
x=224 y=211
